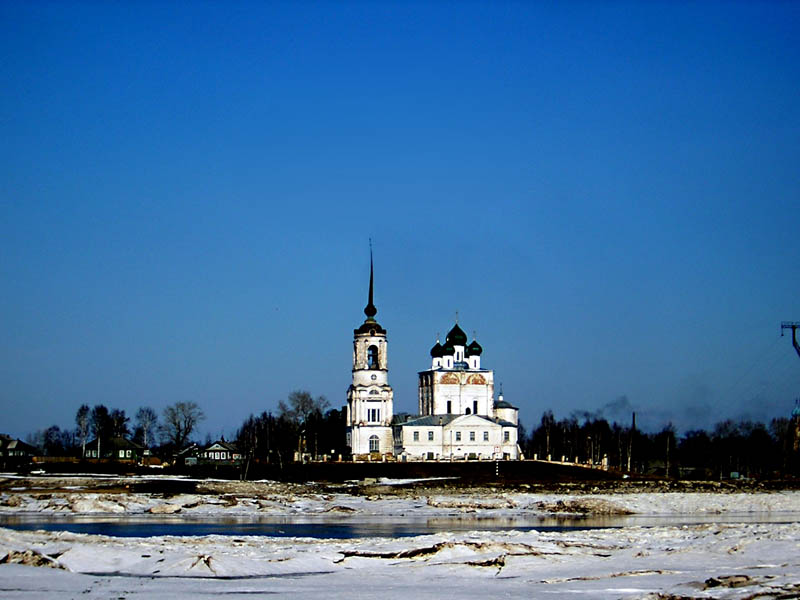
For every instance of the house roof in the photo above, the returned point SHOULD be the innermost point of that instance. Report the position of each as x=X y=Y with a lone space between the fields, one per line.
x=222 y=444
x=10 y=443
x=189 y=449
x=117 y=443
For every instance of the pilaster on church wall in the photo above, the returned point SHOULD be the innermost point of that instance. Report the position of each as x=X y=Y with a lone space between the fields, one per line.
x=383 y=354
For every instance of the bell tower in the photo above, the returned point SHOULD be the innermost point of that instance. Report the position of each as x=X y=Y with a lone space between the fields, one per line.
x=370 y=398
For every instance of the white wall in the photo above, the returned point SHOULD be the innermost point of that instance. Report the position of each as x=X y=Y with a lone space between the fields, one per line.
x=445 y=444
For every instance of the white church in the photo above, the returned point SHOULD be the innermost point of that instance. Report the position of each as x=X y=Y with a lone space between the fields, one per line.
x=459 y=418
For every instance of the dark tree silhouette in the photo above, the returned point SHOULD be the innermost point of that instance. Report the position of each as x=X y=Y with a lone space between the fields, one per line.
x=179 y=421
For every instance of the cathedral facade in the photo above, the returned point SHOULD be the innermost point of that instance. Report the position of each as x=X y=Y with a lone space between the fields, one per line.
x=459 y=418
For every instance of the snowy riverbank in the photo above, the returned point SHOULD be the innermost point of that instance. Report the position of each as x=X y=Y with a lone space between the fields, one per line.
x=723 y=559
x=717 y=561
x=51 y=495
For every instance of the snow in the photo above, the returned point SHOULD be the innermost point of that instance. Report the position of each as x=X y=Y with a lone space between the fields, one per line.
x=603 y=563
x=488 y=504
x=748 y=544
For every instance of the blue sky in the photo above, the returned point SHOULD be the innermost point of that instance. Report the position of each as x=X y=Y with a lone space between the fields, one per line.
x=608 y=193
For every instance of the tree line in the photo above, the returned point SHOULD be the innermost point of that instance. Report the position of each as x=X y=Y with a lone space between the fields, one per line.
x=99 y=425
x=739 y=448
x=303 y=426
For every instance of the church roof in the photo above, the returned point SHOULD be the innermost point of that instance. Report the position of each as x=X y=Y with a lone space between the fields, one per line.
x=437 y=420
x=504 y=404
x=370 y=309
x=474 y=349
x=432 y=420
x=370 y=325
x=456 y=336
x=437 y=351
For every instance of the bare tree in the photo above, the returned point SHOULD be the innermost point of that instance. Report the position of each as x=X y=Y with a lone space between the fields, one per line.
x=146 y=421
x=100 y=423
x=304 y=412
x=301 y=404
x=82 y=421
x=180 y=420
x=119 y=423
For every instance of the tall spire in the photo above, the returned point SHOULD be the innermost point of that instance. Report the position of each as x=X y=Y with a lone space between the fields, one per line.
x=370 y=309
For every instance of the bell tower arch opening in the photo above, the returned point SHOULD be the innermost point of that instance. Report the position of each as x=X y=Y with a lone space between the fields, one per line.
x=373 y=360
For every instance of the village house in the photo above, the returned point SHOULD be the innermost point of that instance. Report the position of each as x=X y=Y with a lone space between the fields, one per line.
x=119 y=449
x=15 y=453
x=221 y=452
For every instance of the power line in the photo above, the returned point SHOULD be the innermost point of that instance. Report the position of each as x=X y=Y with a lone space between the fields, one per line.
x=759 y=359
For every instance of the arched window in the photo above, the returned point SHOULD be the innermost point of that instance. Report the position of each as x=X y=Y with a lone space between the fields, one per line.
x=467 y=411
x=372 y=357
x=374 y=444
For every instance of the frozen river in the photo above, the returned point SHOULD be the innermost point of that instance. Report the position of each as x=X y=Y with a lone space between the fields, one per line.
x=472 y=544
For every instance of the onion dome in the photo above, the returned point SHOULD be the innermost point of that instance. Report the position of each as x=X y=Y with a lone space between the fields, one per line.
x=437 y=351
x=447 y=349
x=474 y=349
x=456 y=337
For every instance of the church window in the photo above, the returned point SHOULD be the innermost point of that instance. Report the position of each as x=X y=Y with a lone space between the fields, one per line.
x=485 y=436
x=471 y=436
x=475 y=407
x=372 y=357
x=430 y=436
x=374 y=444
x=373 y=415
x=449 y=407
x=467 y=411
x=416 y=436
x=458 y=436
x=506 y=436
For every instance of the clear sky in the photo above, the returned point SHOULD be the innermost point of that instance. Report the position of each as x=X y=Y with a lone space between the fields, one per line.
x=608 y=193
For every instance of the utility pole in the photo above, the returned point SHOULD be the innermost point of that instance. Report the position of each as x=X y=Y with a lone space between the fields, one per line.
x=793 y=325
x=630 y=440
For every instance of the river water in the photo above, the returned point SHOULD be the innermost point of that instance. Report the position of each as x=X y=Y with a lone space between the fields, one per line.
x=348 y=527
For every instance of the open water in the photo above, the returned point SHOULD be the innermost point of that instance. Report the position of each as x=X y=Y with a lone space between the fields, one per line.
x=327 y=527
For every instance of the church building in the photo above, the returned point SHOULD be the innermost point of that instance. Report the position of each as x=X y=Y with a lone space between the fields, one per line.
x=459 y=418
